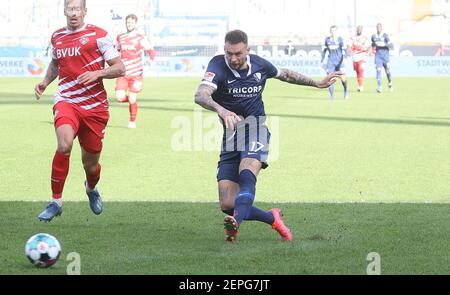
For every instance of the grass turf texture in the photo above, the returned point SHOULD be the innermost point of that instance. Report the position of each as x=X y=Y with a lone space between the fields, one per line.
x=389 y=147
x=187 y=238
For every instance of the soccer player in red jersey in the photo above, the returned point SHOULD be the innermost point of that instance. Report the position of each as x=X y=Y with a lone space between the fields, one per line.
x=80 y=104
x=132 y=45
x=359 y=46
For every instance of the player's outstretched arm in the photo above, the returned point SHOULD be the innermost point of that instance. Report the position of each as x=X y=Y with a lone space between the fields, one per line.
x=50 y=76
x=116 y=69
x=299 y=79
x=204 y=99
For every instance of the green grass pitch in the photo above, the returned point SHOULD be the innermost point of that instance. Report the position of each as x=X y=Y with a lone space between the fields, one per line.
x=369 y=174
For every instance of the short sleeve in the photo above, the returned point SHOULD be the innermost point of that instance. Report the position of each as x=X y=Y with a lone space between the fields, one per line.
x=213 y=74
x=107 y=48
x=272 y=71
x=52 y=51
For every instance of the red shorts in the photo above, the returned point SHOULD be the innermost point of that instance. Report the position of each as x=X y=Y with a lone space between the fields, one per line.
x=89 y=126
x=133 y=83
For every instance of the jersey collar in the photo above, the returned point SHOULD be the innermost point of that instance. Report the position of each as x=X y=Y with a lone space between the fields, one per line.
x=69 y=31
x=235 y=73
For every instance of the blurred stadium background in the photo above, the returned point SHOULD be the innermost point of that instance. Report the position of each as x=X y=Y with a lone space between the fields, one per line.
x=187 y=33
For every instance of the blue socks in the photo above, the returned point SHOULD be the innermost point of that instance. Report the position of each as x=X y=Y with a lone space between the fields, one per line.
x=331 y=89
x=379 y=77
x=243 y=205
x=344 y=83
x=388 y=75
x=254 y=214
x=246 y=196
x=260 y=215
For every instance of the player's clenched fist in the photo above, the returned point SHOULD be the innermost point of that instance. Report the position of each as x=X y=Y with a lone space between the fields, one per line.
x=229 y=118
x=39 y=89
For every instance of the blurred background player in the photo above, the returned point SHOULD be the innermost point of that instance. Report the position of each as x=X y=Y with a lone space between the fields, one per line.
x=290 y=49
x=381 y=44
x=232 y=86
x=132 y=46
x=334 y=51
x=81 y=104
x=359 y=46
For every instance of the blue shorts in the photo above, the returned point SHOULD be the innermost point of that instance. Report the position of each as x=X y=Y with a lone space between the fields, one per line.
x=382 y=61
x=335 y=67
x=248 y=141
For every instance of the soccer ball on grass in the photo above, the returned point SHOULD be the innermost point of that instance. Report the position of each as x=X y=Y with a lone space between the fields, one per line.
x=42 y=250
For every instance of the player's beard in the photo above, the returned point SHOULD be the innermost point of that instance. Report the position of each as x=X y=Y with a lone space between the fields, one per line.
x=238 y=65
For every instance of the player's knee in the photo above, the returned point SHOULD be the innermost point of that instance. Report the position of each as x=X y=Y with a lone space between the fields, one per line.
x=90 y=167
x=64 y=147
x=132 y=97
x=121 y=96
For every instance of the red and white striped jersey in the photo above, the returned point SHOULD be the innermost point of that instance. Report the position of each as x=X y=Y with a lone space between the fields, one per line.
x=132 y=46
x=359 y=46
x=77 y=52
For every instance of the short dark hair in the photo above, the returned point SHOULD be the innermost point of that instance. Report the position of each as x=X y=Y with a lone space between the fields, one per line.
x=333 y=27
x=133 y=16
x=235 y=37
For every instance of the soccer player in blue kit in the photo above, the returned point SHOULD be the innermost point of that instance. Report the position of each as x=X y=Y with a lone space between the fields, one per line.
x=232 y=87
x=335 y=51
x=381 y=43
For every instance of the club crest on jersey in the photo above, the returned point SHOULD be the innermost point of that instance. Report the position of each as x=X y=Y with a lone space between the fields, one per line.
x=84 y=40
x=257 y=76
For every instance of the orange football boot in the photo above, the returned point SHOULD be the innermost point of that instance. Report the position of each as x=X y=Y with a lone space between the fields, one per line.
x=279 y=225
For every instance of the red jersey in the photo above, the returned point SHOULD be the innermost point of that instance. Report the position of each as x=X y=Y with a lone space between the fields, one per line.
x=359 y=46
x=132 y=46
x=77 y=52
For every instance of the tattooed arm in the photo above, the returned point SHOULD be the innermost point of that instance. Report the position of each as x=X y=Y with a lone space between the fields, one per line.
x=204 y=99
x=292 y=77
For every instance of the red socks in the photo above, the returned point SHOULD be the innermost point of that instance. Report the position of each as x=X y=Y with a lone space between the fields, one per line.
x=133 y=111
x=60 y=169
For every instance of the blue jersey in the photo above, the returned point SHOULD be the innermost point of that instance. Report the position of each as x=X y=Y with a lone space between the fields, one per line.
x=381 y=43
x=240 y=91
x=335 y=50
